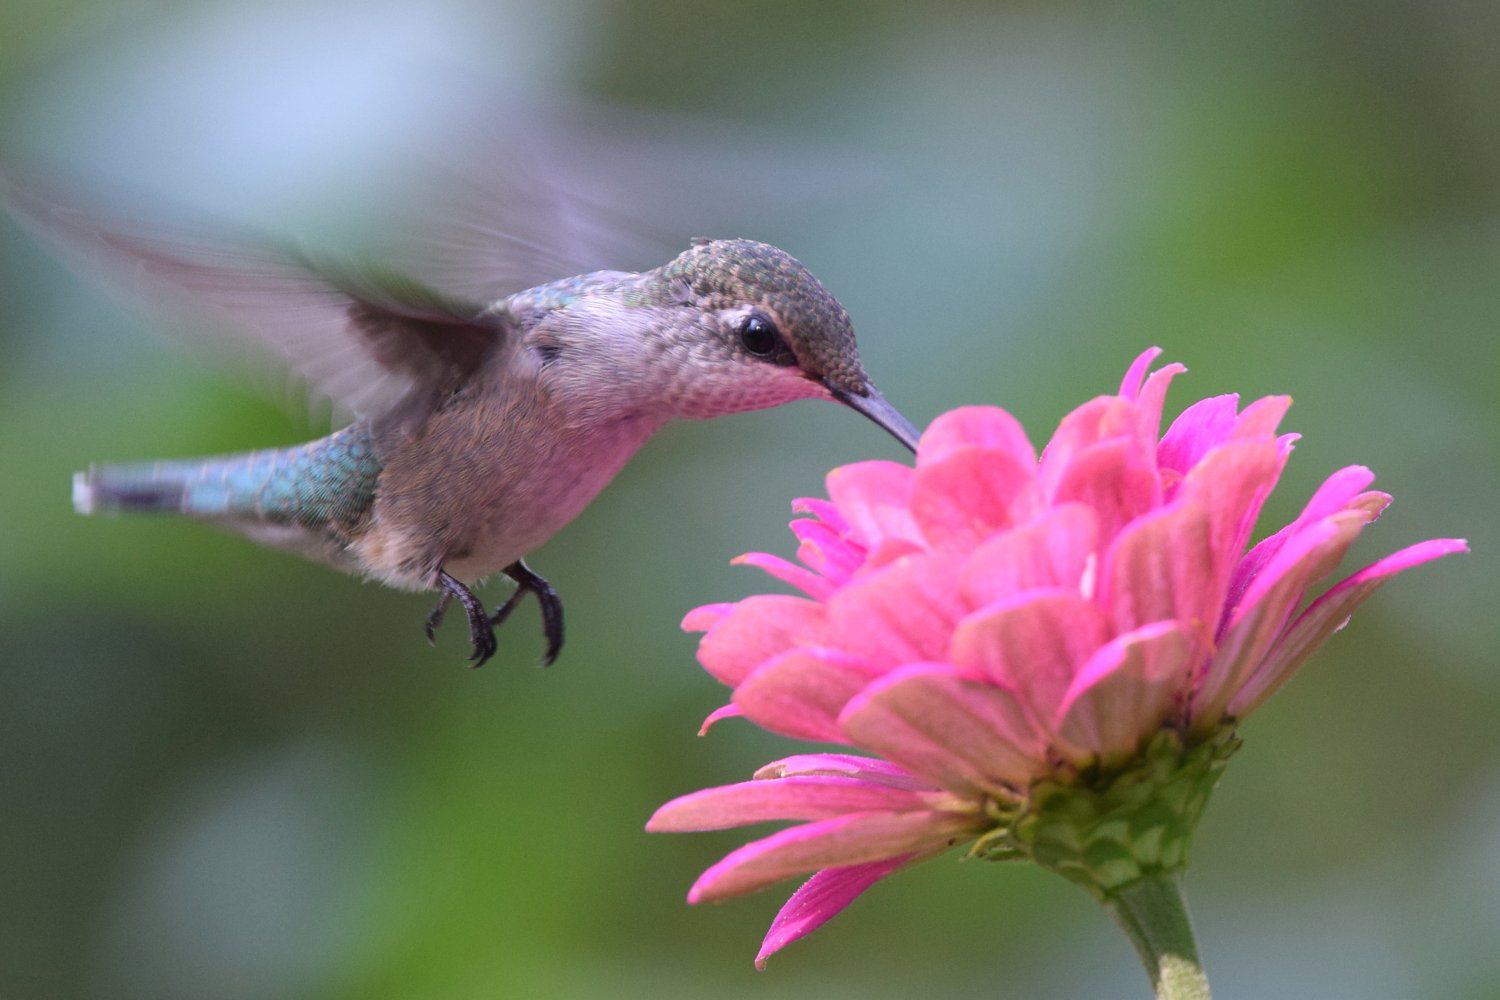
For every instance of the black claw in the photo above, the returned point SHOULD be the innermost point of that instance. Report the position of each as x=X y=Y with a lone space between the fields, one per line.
x=482 y=627
x=552 y=609
x=481 y=632
x=435 y=618
x=484 y=646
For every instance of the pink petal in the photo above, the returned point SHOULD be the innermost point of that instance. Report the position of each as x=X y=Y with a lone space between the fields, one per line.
x=1152 y=398
x=1307 y=557
x=1124 y=693
x=801 y=693
x=1337 y=491
x=1232 y=482
x=701 y=619
x=719 y=715
x=970 y=493
x=1053 y=549
x=872 y=496
x=824 y=510
x=901 y=613
x=891 y=550
x=800 y=798
x=821 y=898
x=854 y=839
x=1203 y=425
x=1162 y=566
x=1327 y=615
x=1033 y=643
x=826 y=551
x=1372 y=502
x=969 y=736
x=1261 y=418
x=987 y=427
x=1130 y=385
x=757 y=629
x=847 y=764
x=1115 y=478
x=1102 y=418
x=811 y=584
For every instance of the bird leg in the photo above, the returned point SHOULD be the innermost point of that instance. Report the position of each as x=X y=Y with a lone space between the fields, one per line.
x=482 y=627
x=552 y=609
x=481 y=632
x=435 y=618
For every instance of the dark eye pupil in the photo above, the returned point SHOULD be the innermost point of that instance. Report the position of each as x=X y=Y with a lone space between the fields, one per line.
x=758 y=335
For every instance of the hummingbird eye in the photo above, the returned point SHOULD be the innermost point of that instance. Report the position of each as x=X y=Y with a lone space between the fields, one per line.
x=759 y=335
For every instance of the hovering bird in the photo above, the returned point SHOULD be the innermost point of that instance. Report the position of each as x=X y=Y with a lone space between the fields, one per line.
x=481 y=427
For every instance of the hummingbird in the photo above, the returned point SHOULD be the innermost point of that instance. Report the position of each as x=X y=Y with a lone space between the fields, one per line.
x=481 y=427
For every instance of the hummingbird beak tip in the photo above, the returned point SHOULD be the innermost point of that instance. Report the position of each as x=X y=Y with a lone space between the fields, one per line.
x=875 y=406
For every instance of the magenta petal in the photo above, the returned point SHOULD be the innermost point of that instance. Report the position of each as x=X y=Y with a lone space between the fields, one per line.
x=717 y=716
x=901 y=613
x=821 y=898
x=1053 y=549
x=970 y=493
x=1124 y=693
x=854 y=839
x=803 y=798
x=1337 y=492
x=826 y=551
x=1130 y=385
x=1307 y=557
x=811 y=584
x=755 y=630
x=987 y=427
x=873 y=496
x=801 y=692
x=969 y=736
x=1033 y=643
x=824 y=510
x=1326 y=616
x=1203 y=425
x=846 y=764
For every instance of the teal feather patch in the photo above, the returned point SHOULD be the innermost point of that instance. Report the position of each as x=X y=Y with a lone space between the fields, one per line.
x=325 y=484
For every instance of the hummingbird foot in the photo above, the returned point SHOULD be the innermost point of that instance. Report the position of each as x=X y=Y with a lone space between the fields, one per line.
x=435 y=618
x=481 y=631
x=552 y=608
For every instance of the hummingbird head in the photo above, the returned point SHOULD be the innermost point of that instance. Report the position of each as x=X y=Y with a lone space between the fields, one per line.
x=767 y=333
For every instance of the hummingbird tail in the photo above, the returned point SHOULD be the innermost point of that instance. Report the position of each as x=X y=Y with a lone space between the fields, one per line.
x=328 y=483
x=116 y=488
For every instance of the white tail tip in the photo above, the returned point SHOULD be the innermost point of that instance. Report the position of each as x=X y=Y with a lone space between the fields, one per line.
x=83 y=493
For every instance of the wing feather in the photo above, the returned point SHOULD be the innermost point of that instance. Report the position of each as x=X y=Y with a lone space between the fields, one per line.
x=368 y=339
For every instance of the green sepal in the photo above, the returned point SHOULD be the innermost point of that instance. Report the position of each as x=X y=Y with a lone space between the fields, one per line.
x=1107 y=829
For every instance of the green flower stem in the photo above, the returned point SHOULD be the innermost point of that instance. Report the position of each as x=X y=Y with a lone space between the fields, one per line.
x=1152 y=912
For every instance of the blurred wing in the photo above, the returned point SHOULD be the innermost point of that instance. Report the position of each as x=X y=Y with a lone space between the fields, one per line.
x=504 y=197
x=371 y=341
x=495 y=215
x=513 y=193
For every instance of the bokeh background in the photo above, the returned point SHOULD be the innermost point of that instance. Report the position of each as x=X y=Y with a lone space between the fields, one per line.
x=224 y=773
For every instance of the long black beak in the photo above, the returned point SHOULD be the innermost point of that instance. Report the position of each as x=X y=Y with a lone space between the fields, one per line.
x=873 y=405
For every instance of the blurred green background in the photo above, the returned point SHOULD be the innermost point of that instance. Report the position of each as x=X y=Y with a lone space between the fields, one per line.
x=229 y=774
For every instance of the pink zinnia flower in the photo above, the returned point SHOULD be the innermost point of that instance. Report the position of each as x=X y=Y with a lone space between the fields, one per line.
x=1047 y=655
